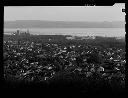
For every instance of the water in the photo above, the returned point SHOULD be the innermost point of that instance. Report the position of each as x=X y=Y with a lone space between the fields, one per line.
x=109 y=32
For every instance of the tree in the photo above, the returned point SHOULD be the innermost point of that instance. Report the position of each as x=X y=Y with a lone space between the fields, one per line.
x=94 y=58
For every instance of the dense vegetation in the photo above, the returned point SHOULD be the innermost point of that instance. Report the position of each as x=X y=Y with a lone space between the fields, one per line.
x=101 y=41
x=70 y=70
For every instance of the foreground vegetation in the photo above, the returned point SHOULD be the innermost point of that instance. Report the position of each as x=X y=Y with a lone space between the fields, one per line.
x=77 y=65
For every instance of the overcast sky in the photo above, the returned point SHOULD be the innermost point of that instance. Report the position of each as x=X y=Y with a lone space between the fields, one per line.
x=65 y=13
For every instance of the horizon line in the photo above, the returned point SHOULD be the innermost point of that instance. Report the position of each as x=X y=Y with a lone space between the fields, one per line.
x=64 y=21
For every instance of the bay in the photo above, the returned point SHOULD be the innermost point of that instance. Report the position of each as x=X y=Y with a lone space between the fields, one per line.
x=108 y=32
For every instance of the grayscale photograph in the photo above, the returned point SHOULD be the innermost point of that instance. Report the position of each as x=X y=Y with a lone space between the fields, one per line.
x=79 y=48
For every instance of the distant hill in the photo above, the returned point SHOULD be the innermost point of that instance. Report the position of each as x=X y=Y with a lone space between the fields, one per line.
x=62 y=24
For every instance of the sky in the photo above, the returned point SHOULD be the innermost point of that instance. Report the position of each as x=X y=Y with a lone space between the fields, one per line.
x=65 y=13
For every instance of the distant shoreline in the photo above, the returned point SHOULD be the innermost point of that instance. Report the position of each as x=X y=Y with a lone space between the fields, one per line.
x=62 y=24
x=114 y=32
